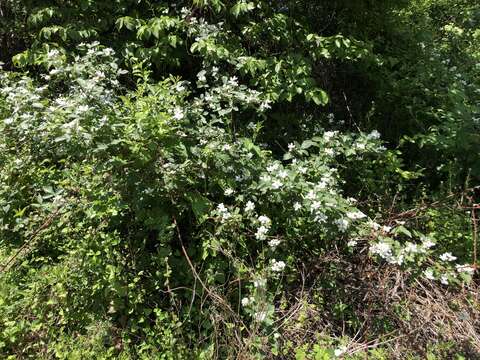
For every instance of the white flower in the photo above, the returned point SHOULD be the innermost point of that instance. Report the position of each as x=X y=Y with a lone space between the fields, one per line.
x=226 y=216
x=283 y=174
x=223 y=211
x=229 y=192
x=412 y=248
x=342 y=224
x=249 y=206
x=356 y=215
x=277 y=266
x=396 y=260
x=447 y=257
x=465 y=269
x=245 y=301
x=277 y=184
x=201 y=76
x=264 y=106
x=429 y=274
x=320 y=217
x=374 y=135
x=274 y=243
x=291 y=147
x=374 y=225
x=315 y=206
x=321 y=185
x=444 y=280
x=386 y=229
x=352 y=243
x=329 y=134
x=340 y=351
x=264 y=220
x=178 y=113
x=382 y=249
x=297 y=206
x=427 y=244
x=261 y=233
x=360 y=146
x=233 y=81
x=100 y=74
x=226 y=147
x=273 y=167
x=329 y=151
x=83 y=108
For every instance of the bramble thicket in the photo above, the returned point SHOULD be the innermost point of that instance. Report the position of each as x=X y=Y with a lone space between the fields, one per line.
x=239 y=179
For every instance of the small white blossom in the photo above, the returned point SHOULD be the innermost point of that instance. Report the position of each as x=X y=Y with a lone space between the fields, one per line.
x=374 y=135
x=264 y=106
x=277 y=266
x=356 y=215
x=245 y=301
x=297 y=206
x=374 y=225
x=272 y=168
x=360 y=146
x=274 y=243
x=342 y=224
x=411 y=248
x=329 y=151
x=277 y=184
x=444 y=280
x=223 y=211
x=178 y=113
x=229 y=192
x=427 y=244
x=291 y=147
x=83 y=108
x=261 y=233
x=465 y=269
x=283 y=174
x=386 y=229
x=382 y=249
x=398 y=260
x=249 y=206
x=315 y=206
x=447 y=257
x=264 y=220
x=329 y=134
x=352 y=243
x=201 y=76
x=429 y=274
x=340 y=351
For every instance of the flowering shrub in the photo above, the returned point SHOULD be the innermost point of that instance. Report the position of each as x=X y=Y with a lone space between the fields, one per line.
x=230 y=207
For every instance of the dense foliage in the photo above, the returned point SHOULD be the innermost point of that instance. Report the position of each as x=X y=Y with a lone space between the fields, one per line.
x=239 y=179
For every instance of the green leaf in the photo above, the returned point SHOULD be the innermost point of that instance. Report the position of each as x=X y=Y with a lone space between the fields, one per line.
x=200 y=205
